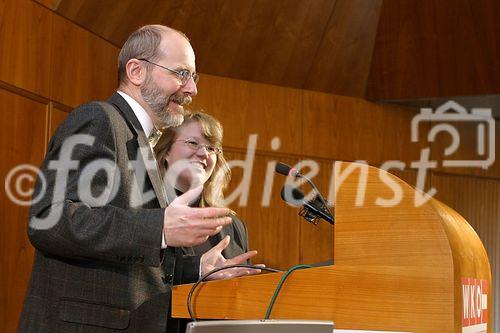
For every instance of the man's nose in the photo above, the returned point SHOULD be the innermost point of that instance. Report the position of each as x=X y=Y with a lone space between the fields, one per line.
x=190 y=87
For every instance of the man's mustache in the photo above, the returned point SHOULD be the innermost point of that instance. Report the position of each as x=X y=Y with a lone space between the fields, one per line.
x=181 y=99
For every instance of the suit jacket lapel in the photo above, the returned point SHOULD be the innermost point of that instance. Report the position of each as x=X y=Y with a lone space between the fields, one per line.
x=152 y=168
x=145 y=150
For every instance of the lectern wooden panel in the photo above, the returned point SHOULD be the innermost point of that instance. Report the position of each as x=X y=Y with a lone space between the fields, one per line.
x=403 y=262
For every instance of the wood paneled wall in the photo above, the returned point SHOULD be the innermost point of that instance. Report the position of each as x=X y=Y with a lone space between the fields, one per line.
x=48 y=65
x=427 y=48
x=23 y=122
x=54 y=65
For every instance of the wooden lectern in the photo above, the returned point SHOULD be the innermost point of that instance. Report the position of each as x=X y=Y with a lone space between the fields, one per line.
x=397 y=267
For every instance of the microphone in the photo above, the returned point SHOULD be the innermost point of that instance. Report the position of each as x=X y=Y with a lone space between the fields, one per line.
x=312 y=209
x=286 y=170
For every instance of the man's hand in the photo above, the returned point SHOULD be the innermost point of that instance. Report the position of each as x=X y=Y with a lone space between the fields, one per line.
x=188 y=226
x=214 y=259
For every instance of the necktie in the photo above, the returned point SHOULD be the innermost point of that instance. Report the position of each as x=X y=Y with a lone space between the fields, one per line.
x=154 y=137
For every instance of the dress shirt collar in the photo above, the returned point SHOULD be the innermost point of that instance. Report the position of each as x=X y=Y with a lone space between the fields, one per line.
x=140 y=113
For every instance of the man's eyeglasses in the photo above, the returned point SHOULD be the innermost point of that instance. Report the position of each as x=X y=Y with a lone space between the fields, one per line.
x=195 y=145
x=183 y=74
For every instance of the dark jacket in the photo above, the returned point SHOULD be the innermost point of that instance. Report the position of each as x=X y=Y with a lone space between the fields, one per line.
x=98 y=263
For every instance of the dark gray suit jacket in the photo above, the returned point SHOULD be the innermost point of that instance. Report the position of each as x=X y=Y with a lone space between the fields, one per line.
x=100 y=267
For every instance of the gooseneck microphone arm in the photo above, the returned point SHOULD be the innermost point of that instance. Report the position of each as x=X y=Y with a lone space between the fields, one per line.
x=297 y=197
x=284 y=169
x=323 y=201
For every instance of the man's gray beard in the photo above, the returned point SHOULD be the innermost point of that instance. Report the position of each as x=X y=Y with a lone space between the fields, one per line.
x=158 y=103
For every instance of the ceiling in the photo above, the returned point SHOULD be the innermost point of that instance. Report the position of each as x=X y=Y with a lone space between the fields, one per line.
x=412 y=50
x=307 y=44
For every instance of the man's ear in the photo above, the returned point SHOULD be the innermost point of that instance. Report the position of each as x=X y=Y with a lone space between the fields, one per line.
x=136 y=71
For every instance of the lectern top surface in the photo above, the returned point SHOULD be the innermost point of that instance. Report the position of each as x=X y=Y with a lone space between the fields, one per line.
x=260 y=326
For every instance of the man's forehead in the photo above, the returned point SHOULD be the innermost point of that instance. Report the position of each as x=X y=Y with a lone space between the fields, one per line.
x=175 y=38
x=177 y=49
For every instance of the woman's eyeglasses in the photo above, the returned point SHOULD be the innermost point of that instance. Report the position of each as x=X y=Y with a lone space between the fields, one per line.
x=195 y=145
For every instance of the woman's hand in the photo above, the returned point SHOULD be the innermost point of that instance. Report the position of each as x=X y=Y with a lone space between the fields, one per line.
x=214 y=259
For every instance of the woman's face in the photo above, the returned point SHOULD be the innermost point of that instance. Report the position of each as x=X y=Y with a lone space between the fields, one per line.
x=190 y=167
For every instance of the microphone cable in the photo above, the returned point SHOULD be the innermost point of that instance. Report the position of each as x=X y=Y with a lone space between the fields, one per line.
x=273 y=298
x=204 y=277
x=280 y=284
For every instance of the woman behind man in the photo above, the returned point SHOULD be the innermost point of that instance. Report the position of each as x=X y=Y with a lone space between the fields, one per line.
x=191 y=156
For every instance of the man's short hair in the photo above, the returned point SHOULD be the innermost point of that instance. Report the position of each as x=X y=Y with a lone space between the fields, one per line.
x=142 y=43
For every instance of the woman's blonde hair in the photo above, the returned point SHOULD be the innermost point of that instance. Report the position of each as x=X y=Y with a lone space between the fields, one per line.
x=212 y=130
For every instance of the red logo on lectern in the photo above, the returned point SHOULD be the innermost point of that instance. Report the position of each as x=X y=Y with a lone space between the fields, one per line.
x=475 y=305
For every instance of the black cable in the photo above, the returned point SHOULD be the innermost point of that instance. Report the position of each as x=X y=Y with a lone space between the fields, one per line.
x=203 y=278
x=280 y=284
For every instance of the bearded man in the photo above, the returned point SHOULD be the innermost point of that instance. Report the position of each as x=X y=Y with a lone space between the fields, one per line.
x=107 y=242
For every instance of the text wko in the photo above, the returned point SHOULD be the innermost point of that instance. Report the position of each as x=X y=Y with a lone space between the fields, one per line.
x=475 y=305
